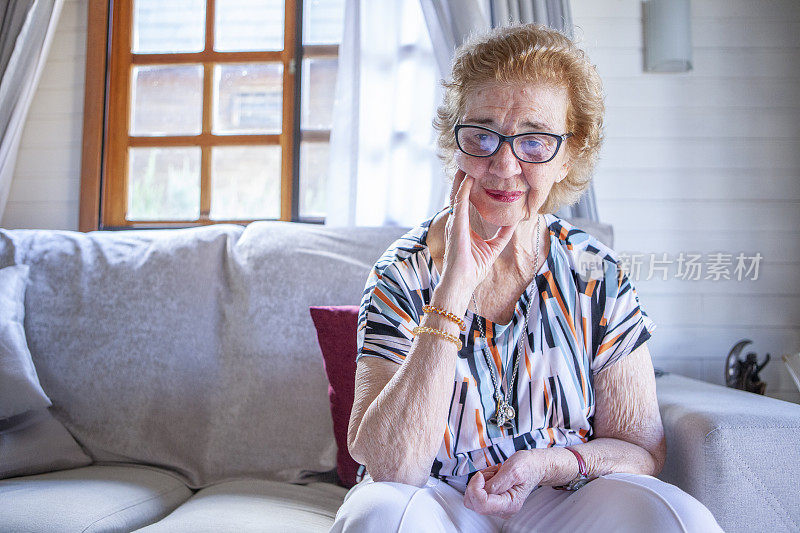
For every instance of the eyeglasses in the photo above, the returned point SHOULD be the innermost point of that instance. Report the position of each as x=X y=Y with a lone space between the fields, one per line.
x=531 y=147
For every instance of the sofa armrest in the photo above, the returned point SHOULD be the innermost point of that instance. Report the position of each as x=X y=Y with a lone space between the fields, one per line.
x=735 y=451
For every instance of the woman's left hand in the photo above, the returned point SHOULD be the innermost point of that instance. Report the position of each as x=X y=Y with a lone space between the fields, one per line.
x=502 y=489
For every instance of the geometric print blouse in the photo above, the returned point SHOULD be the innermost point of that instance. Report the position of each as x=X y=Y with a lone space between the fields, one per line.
x=586 y=316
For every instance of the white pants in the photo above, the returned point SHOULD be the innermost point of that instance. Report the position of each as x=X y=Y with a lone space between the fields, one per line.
x=612 y=503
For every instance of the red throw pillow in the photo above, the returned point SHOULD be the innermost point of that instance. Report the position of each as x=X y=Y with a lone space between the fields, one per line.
x=336 y=332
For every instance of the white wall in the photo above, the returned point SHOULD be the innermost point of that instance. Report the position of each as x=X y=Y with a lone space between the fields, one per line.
x=705 y=161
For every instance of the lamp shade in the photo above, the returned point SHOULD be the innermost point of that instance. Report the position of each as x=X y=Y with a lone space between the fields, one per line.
x=667 y=35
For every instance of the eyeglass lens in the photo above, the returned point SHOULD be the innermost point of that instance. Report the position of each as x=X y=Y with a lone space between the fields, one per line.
x=533 y=148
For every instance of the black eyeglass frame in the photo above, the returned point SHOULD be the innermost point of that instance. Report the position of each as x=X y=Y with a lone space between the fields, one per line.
x=510 y=140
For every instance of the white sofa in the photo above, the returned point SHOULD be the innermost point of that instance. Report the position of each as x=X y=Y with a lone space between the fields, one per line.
x=184 y=365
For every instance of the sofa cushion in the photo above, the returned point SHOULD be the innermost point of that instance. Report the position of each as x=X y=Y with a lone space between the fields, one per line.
x=95 y=498
x=20 y=390
x=336 y=332
x=255 y=505
x=34 y=442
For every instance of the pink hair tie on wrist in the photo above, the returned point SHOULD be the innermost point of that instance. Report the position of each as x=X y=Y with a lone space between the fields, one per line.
x=583 y=475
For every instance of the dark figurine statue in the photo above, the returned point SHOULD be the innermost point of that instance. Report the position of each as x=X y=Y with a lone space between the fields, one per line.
x=743 y=375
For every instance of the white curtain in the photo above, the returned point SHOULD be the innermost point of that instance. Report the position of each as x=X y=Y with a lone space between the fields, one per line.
x=555 y=14
x=449 y=23
x=26 y=30
x=383 y=168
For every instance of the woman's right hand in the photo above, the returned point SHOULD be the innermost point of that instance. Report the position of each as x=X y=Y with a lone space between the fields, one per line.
x=467 y=256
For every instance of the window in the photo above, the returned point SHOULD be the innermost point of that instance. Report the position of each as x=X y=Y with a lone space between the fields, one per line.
x=196 y=111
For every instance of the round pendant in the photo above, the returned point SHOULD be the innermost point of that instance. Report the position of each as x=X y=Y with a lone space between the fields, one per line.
x=503 y=416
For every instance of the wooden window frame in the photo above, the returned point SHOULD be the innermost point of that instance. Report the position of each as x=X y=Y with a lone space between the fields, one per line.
x=105 y=125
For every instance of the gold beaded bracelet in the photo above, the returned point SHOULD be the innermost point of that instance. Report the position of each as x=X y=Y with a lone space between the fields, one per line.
x=452 y=316
x=451 y=338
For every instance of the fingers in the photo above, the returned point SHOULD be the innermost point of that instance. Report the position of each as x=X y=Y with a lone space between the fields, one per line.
x=487 y=475
x=490 y=494
x=490 y=471
x=477 y=482
x=462 y=194
x=475 y=496
x=501 y=238
x=459 y=177
x=498 y=484
x=461 y=203
x=459 y=196
x=479 y=500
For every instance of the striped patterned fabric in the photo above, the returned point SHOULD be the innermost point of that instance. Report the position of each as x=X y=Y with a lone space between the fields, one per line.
x=585 y=320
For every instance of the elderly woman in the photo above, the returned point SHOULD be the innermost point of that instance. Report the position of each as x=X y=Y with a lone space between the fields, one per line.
x=503 y=379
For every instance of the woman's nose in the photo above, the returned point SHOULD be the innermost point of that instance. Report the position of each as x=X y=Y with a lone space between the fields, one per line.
x=504 y=163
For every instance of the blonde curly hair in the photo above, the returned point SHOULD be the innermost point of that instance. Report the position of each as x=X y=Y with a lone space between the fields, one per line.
x=529 y=53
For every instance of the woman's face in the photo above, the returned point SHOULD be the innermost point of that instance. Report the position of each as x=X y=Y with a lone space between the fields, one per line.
x=512 y=109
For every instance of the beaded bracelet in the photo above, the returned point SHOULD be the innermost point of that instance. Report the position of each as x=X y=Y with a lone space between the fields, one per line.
x=451 y=338
x=458 y=320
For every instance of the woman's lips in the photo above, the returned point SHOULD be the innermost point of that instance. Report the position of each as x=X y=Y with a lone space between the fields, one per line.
x=504 y=196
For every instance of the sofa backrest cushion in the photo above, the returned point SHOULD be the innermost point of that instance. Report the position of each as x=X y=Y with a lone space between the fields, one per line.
x=192 y=349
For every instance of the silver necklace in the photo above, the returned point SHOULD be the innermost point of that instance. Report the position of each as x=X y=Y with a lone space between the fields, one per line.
x=504 y=414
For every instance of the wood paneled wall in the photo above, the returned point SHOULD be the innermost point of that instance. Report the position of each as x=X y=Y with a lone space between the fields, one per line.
x=702 y=162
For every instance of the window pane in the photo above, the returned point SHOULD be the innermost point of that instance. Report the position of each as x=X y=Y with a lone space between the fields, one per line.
x=248 y=98
x=245 y=182
x=247 y=25
x=164 y=184
x=167 y=100
x=313 y=178
x=164 y=26
x=323 y=21
x=319 y=80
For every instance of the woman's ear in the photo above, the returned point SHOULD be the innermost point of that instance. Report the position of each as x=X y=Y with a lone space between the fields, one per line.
x=564 y=171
